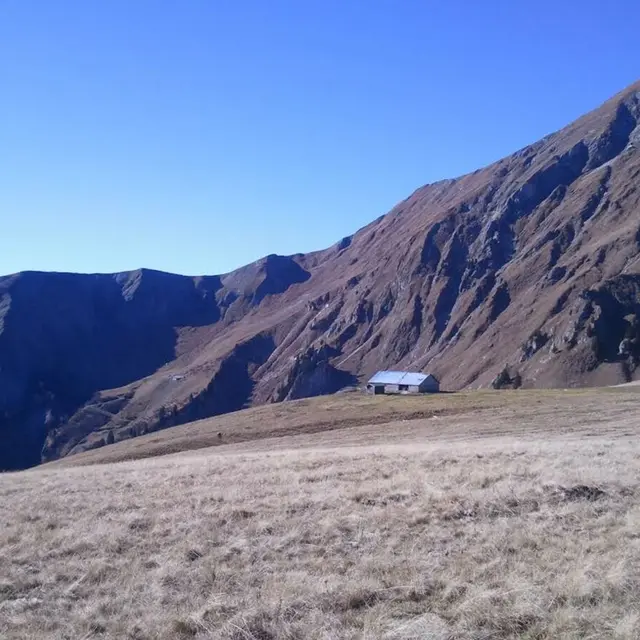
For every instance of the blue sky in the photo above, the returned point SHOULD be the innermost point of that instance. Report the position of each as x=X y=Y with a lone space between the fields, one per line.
x=197 y=136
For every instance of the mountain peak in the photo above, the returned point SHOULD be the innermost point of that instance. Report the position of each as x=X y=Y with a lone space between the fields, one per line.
x=530 y=265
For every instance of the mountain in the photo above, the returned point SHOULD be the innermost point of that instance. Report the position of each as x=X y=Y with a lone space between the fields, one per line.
x=524 y=272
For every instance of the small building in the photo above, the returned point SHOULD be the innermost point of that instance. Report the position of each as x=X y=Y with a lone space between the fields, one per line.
x=402 y=382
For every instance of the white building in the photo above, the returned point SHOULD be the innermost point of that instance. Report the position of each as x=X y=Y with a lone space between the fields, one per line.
x=402 y=382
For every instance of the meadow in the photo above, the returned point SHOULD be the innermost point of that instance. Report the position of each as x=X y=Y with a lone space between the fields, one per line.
x=479 y=515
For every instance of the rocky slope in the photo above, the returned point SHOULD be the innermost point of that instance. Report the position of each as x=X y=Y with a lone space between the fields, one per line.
x=526 y=270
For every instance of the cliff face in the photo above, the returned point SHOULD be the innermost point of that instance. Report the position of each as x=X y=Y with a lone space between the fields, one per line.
x=530 y=264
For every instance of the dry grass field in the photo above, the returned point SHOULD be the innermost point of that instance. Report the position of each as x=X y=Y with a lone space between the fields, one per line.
x=487 y=515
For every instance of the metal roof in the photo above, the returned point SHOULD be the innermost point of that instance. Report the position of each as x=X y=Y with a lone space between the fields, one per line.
x=399 y=377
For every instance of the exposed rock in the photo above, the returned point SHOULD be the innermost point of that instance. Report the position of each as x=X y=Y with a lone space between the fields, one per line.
x=324 y=320
x=231 y=387
x=535 y=342
x=345 y=243
x=506 y=380
x=280 y=273
x=615 y=305
x=613 y=139
x=312 y=375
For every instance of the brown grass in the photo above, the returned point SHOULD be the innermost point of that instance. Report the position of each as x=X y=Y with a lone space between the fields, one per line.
x=332 y=419
x=492 y=524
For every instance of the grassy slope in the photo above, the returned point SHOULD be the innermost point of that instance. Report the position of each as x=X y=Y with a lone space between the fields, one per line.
x=454 y=526
x=342 y=412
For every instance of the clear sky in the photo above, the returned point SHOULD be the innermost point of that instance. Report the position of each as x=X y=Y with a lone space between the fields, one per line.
x=198 y=135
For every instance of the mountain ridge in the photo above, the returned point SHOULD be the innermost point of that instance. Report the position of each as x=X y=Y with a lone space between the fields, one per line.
x=529 y=265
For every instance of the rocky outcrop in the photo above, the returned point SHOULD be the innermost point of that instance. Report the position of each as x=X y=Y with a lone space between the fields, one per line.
x=536 y=341
x=611 y=324
x=280 y=273
x=312 y=374
x=231 y=387
x=507 y=379
x=613 y=140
